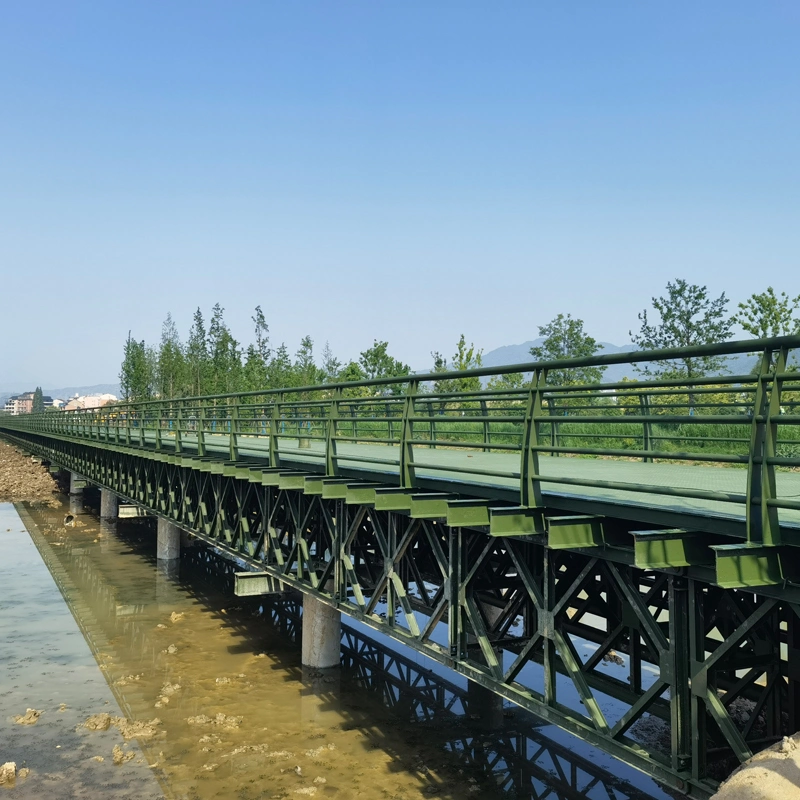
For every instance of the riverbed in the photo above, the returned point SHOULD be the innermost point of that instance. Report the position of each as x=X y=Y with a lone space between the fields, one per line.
x=91 y=626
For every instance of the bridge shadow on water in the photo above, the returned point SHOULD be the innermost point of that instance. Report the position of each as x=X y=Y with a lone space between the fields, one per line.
x=455 y=739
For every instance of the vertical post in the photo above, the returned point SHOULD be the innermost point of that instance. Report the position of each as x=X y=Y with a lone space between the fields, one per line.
x=697 y=655
x=233 y=443
x=486 y=433
x=762 y=520
x=274 y=426
x=793 y=661
x=456 y=636
x=679 y=655
x=530 y=484
x=178 y=429
x=331 y=423
x=128 y=412
x=201 y=430
x=407 y=475
x=159 y=422
x=546 y=627
x=647 y=427
x=432 y=426
x=554 y=440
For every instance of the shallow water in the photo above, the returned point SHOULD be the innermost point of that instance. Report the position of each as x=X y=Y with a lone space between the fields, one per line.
x=172 y=647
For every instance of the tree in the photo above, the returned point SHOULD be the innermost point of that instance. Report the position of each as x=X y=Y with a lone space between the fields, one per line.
x=767 y=314
x=38 y=400
x=137 y=375
x=197 y=362
x=171 y=361
x=688 y=317
x=564 y=338
x=464 y=358
x=280 y=369
x=331 y=366
x=262 y=335
x=306 y=372
x=225 y=355
x=377 y=363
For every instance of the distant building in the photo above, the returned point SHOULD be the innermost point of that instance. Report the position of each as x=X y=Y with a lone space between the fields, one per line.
x=89 y=401
x=23 y=403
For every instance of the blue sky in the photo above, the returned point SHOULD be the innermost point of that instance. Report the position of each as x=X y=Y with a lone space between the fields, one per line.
x=393 y=170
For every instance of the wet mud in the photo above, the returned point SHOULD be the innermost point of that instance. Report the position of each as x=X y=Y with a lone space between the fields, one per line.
x=170 y=687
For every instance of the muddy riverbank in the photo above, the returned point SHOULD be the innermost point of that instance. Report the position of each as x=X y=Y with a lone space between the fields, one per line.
x=22 y=478
x=209 y=698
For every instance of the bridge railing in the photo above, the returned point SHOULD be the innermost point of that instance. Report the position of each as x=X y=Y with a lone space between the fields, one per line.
x=511 y=427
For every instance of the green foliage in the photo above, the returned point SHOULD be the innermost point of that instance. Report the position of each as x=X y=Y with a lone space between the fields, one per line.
x=197 y=362
x=377 y=363
x=225 y=355
x=767 y=314
x=171 y=372
x=137 y=375
x=688 y=317
x=564 y=337
x=38 y=400
x=306 y=372
x=464 y=358
x=331 y=366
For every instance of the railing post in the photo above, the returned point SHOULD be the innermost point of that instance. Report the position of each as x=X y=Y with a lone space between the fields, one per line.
x=554 y=440
x=331 y=458
x=201 y=431
x=274 y=451
x=647 y=427
x=233 y=440
x=530 y=483
x=128 y=412
x=486 y=433
x=178 y=426
x=159 y=423
x=407 y=475
x=762 y=519
x=432 y=426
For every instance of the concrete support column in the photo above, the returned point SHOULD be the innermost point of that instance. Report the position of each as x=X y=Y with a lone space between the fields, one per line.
x=168 y=546
x=322 y=634
x=76 y=483
x=109 y=505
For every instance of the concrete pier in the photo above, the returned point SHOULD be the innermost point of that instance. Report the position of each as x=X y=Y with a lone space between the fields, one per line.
x=322 y=634
x=109 y=505
x=168 y=546
x=76 y=483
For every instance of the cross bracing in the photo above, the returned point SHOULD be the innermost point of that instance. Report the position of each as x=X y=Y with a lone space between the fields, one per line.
x=619 y=558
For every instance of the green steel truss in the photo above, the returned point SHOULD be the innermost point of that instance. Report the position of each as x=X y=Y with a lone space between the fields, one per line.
x=656 y=620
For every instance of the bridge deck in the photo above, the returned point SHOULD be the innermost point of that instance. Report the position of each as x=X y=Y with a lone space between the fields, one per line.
x=479 y=474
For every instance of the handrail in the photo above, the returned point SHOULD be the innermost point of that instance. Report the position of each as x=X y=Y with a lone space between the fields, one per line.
x=750 y=421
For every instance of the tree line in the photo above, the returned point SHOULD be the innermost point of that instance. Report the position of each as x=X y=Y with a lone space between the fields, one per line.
x=212 y=361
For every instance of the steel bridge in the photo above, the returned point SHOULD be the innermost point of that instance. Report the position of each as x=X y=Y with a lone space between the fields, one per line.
x=618 y=558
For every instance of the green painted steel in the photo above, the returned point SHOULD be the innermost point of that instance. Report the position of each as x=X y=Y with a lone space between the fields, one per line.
x=498 y=531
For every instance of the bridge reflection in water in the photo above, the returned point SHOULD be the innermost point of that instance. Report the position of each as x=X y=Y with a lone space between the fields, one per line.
x=410 y=702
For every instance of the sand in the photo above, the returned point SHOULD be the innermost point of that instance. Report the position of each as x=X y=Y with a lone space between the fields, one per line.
x=772 y=774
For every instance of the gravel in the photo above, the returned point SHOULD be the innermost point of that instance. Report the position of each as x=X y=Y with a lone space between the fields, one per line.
x=23 y=479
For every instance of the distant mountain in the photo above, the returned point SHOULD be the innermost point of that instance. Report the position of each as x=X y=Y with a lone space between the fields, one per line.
x=521 y=354
x=67 y=392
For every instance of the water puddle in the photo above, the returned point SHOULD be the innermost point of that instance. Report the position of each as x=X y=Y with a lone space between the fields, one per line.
x=222 y=708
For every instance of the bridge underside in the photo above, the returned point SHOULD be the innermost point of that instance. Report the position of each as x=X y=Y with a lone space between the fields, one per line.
x=658 y=666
